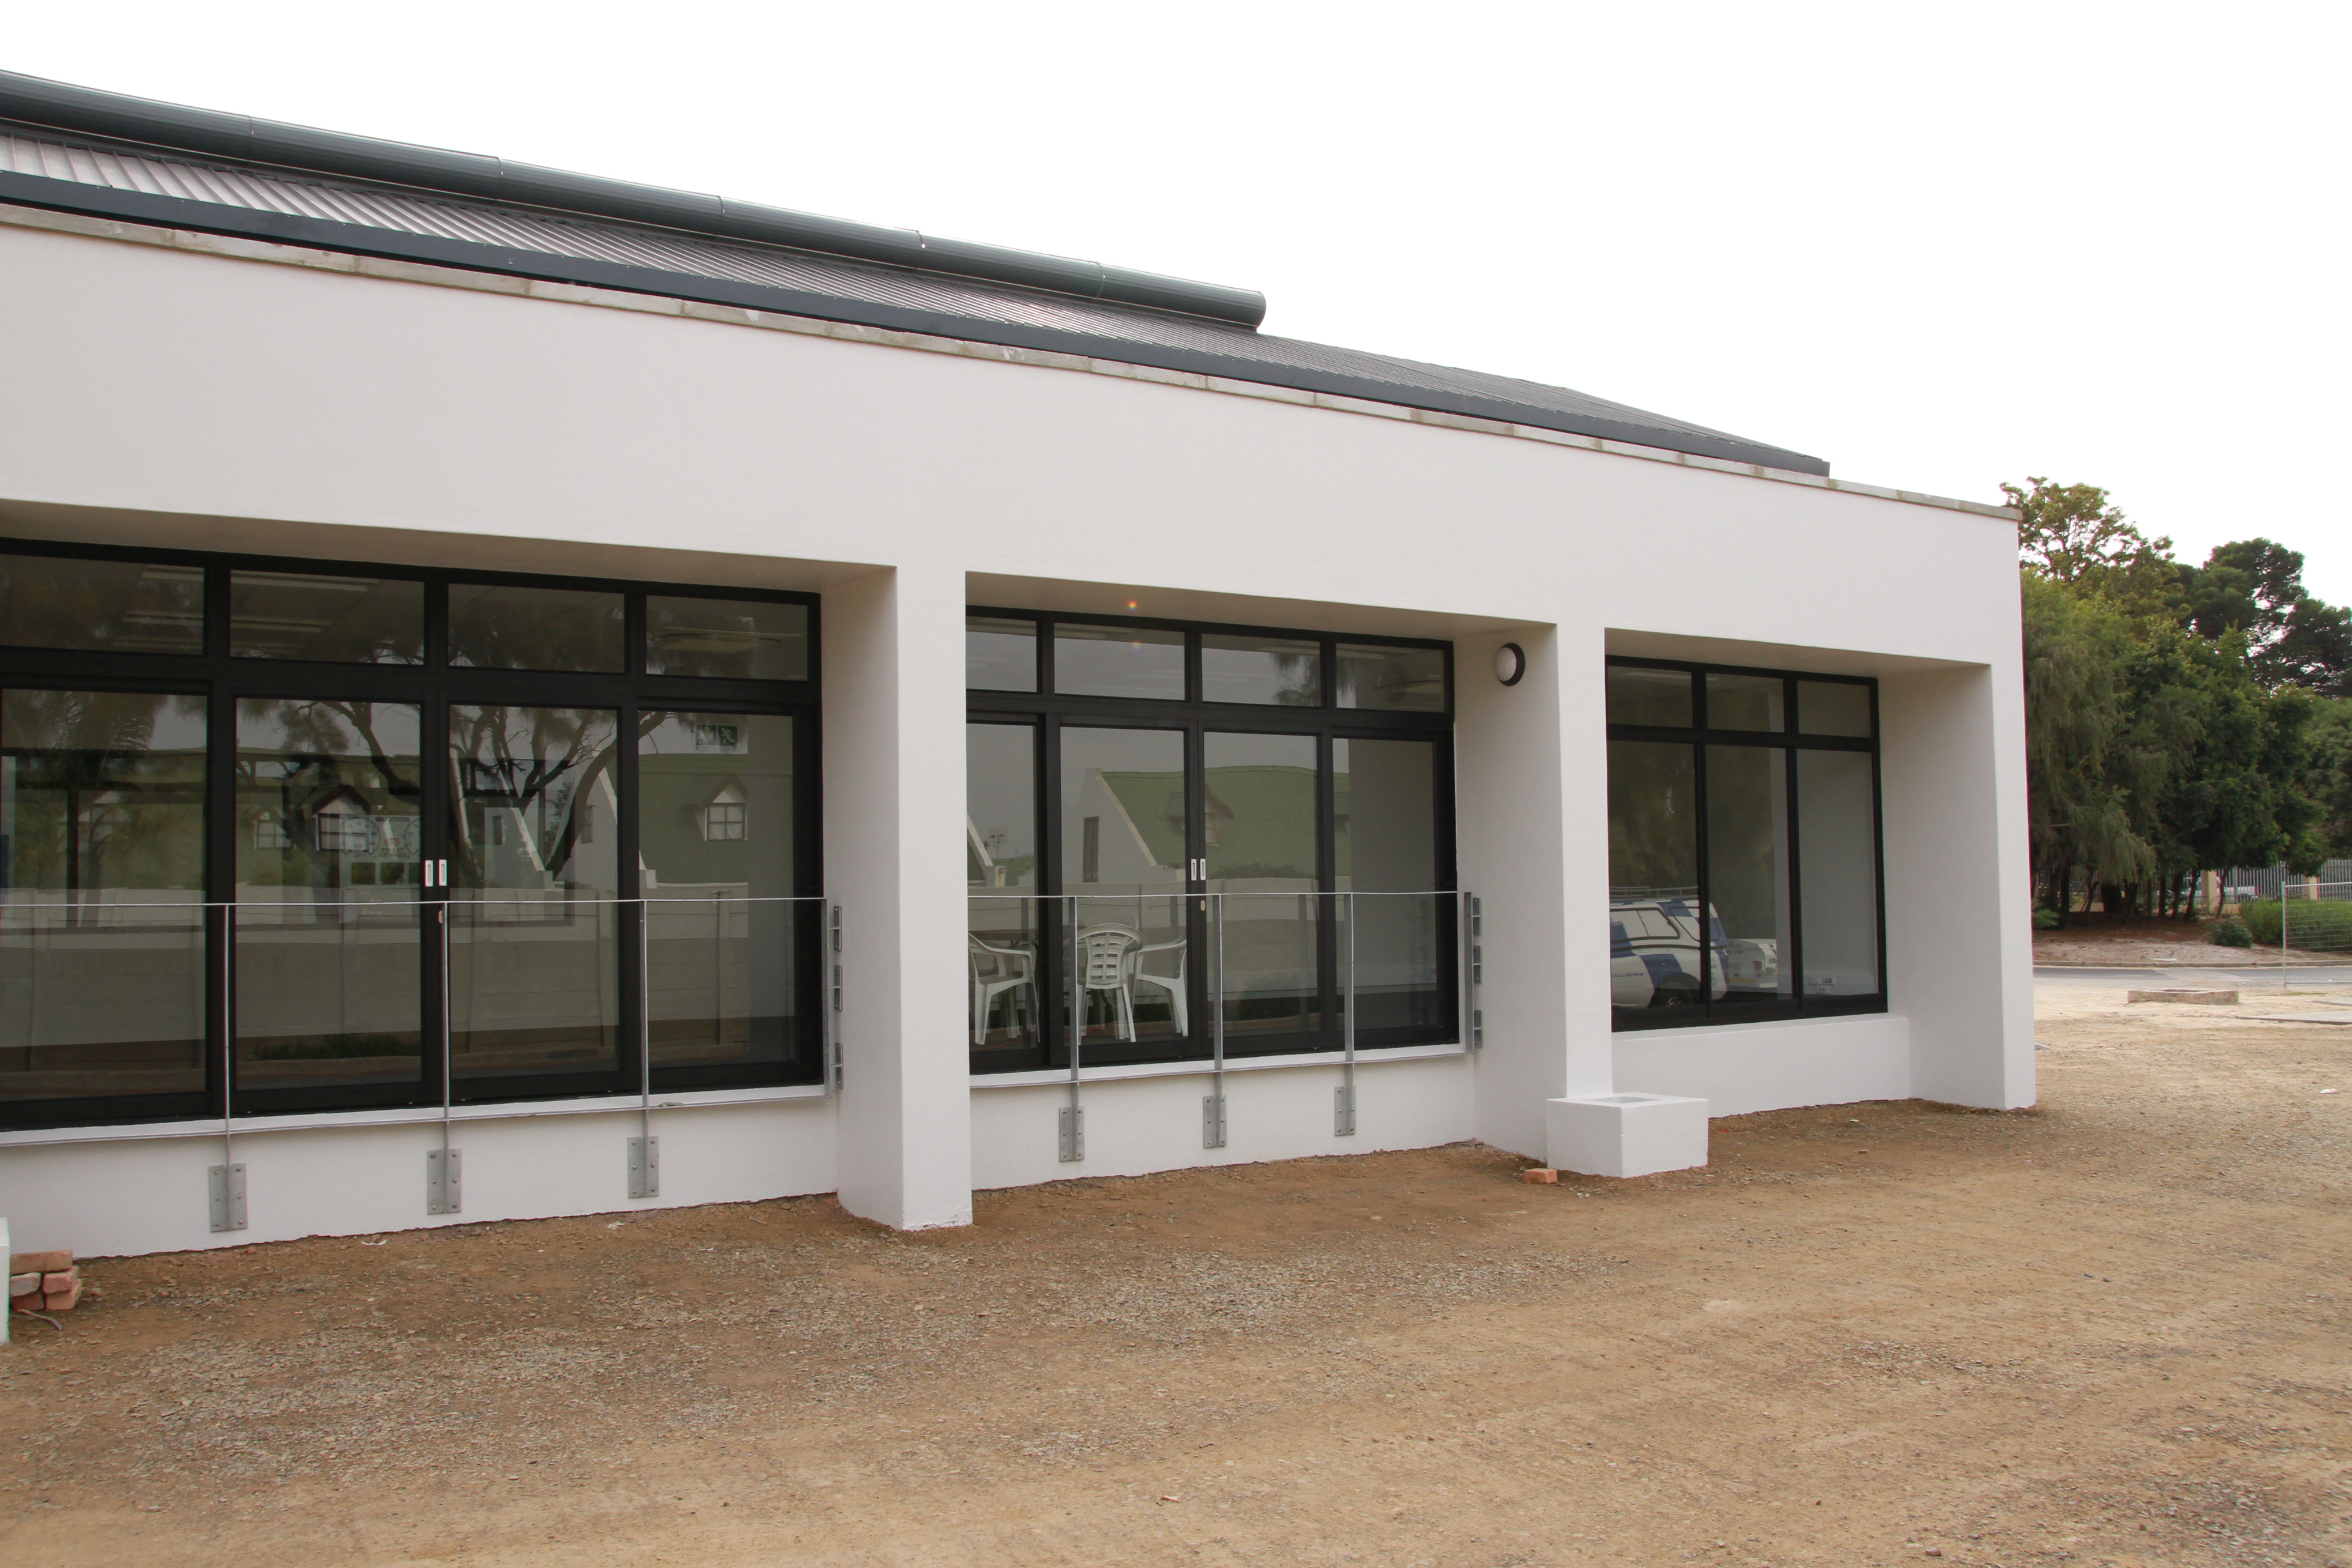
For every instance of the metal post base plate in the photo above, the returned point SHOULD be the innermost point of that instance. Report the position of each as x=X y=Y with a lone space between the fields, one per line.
x=1343 y=1111
x=1213 y=1122
x=644 y=1167
x=227 y=1182
x=443 y=1173
x=1074 y=1133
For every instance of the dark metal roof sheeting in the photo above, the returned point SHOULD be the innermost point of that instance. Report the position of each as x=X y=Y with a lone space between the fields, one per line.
x=43 y=170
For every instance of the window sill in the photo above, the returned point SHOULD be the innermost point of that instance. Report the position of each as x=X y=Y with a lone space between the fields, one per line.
x=406 y=1116
x=1058 y=1076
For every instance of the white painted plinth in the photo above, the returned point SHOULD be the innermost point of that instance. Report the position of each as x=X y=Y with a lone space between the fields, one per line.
x=1626 y=1134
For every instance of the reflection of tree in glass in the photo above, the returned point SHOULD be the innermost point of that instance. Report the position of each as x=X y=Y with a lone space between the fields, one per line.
x=493 y=626
x=96 y=805
x=538 y=763
x=122 y=605
x=1652 y=817
x=311 y=758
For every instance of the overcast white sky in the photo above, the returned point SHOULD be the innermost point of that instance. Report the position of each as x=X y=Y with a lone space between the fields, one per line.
x=1939 y=245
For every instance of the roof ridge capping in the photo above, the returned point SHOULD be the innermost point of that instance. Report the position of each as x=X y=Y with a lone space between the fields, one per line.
x=36 y=100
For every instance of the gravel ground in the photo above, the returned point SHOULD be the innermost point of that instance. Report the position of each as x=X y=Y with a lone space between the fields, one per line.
x=2109 y=1330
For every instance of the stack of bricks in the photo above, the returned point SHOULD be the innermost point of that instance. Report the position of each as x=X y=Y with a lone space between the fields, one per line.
x=43 y=1281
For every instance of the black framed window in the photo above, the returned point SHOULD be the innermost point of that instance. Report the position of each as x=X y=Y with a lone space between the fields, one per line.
x=1744 y=844
x=1160 y=818
x=229 y=786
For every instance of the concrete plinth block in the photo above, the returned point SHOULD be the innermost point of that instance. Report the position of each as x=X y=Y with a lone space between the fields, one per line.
x=1626 y=1134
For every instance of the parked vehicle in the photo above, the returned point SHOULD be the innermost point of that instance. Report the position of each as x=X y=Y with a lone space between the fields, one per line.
x=1653 y=952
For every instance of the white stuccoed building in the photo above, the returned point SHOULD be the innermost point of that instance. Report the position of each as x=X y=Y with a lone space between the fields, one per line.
x=497 y=669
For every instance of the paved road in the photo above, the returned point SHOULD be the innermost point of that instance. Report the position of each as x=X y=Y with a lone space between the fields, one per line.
x=2299 y=976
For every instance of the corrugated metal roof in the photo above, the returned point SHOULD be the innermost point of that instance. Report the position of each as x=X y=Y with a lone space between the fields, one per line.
x=42 y=169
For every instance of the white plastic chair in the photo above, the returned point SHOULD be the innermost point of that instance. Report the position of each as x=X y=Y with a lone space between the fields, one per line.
x=1105 y=953
x=1171 y=984
x=995 y=970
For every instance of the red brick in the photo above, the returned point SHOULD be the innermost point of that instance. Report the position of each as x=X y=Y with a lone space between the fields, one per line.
x=58 y=1300
x=60 y=1281
x=23 y=1284
x=1540 y=1175
x=50 y=1262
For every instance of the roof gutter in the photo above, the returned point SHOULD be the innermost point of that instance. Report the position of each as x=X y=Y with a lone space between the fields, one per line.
x=37 y=102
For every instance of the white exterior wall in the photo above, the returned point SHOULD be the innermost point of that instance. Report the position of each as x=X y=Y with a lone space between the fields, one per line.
x=165 y=394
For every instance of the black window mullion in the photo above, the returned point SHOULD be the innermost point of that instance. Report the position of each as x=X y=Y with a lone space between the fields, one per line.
x=1792 y=963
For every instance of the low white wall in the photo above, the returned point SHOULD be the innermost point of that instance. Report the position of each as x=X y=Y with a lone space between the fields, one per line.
x=1135 y=1126
x=1742 y=1067
x=137 y=1195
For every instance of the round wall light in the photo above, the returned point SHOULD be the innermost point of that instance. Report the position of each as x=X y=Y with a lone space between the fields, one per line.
x=1510 y=663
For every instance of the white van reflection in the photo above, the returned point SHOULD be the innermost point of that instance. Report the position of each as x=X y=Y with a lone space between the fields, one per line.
x=1653 y=955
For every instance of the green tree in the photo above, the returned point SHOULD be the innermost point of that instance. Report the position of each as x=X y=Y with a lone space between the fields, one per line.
x=2079 y=812
x=2071 y=534
x=2254 y=587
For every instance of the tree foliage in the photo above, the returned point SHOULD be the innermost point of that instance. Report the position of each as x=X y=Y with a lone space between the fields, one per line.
x=2179 y=718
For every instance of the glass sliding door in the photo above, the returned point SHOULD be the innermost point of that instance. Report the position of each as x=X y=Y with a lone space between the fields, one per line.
x=329 y=841
x=534 y=959
x=1126 y=842
x=1260 y=819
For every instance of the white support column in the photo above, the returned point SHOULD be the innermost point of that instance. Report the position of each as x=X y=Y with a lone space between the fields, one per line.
x=894 y=715
x=1533 y=828
x=1960 y=921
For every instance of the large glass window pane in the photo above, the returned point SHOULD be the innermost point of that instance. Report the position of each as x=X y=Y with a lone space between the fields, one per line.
x=534 y=856
x=1659 y=696
x=327 y=821
x=1259 y=798
x=1832 y=708
x=1654 y=922
x=493 y=626
x=1745 y=702
x=1123 y=853
x=1384 y=803
x=101 y=606
x=1117 y=661
x=102 y=883
x=1001 y=950
x=1837 y=849
x=1282 y=672
x=1401 y=680
x=343 y=620
x=1747 y=871
x=715 y=834
x=1000 y=655
x=742 y=640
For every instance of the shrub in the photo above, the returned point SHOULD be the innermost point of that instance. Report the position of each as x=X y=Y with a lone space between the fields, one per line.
x=2230 y=931
x=2322 y=926
x=2046 y=920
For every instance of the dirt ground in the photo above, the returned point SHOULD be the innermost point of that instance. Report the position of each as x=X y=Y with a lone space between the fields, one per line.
x=2109 y=1330
x=2162 y=943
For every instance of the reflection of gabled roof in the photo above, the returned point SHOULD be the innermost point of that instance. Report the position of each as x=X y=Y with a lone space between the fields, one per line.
x=1260 y=814
x=112 y=156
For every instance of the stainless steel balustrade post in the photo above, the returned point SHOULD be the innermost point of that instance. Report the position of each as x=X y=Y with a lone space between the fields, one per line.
x=1212 y=1108
x=225 y=1181
x=645 y=1150
x=1343 y=1117
x=443 y=1190
x=1072 y=1118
